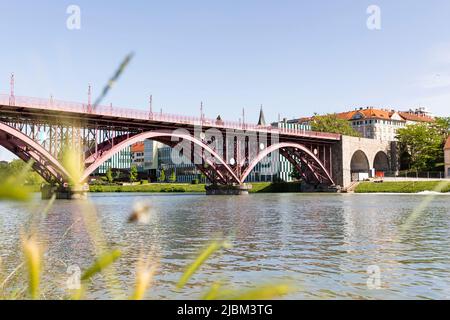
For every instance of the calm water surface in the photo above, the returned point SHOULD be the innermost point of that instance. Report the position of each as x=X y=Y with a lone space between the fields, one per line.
x=323 y=244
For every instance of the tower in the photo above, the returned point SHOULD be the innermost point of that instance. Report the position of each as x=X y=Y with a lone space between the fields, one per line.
x=262 y=119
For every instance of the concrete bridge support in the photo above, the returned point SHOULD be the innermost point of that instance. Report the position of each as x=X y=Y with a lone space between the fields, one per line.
x=353 y=156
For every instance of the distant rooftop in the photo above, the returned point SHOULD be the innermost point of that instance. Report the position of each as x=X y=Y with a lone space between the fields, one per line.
x=382 y=114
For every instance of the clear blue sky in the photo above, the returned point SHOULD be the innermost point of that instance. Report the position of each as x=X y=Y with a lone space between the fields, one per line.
x=294 y=57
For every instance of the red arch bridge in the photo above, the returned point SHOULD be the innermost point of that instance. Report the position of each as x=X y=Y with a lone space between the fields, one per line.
x=226 y=152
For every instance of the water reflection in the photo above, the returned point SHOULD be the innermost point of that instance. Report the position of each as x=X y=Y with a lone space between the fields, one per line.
x=323 y=243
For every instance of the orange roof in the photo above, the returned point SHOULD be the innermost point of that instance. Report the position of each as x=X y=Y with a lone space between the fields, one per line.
x=372 y=113
x=447 y=144
x=137 y=147
x=368 y=113
x=414 y=117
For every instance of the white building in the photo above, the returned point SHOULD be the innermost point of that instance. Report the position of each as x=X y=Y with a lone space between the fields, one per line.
x=381 y=124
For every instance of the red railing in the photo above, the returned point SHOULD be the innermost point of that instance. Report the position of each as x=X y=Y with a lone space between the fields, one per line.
x=76 y=107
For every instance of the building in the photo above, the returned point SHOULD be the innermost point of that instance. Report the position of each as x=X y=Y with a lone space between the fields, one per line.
x=120 y=161
x=380 y=124
x=447 y=158
x=137 y=156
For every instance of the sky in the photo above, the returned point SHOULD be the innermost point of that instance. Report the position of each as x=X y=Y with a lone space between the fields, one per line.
x=293 y=57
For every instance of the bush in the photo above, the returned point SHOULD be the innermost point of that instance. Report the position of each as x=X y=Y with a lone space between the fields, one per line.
x=195 y=181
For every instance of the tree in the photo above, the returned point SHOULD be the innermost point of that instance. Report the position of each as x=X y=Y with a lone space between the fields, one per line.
x=173 y=177
x=423 y=144
x=16 y=168
x=109 y=175
x=162 y=176
x=295 y=174
x=117 y=175
x=133 y=174
x=331 y=123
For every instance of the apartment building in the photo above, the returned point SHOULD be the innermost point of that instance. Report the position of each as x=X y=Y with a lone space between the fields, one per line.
x=381 y=124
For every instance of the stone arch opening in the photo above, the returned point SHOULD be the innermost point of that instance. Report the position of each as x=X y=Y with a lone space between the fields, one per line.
x=359 y=166
x=381 y=162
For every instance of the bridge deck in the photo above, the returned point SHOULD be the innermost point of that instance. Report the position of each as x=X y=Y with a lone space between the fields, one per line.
x=43 y=110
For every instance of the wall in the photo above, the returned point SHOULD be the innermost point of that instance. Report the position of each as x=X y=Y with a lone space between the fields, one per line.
x=344 y=150
x=447 y=163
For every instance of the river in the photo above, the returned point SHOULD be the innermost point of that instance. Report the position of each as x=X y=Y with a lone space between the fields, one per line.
x=322 y=244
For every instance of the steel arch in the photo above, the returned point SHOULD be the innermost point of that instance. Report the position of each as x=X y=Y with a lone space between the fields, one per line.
x=26 y=149
x=103 y=154
x=296 y=148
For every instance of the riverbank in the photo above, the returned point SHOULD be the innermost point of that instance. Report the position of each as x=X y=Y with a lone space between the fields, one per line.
x=403 y=187
x=259 y=187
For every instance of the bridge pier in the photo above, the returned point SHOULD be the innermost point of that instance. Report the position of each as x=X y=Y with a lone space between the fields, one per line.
x=63 y=193
x=235 y=190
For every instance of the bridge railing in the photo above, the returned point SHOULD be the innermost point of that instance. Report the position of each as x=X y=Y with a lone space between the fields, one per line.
x=419 y=175
x=82 y=108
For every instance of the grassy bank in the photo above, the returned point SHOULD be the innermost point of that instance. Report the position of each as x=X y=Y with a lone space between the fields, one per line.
x=151 y=187
x=260 y=187
x=402 y=187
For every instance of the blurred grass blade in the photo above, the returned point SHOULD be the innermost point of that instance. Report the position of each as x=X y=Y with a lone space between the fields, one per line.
x=73 y=164
x=213 y=292
x=267 y=292
x=13 y=187
x=204 y=255
x=32 y=254
x=420 y=209
x=78 y=294
x=144 y=277
x=114 y=78
x=100 y=264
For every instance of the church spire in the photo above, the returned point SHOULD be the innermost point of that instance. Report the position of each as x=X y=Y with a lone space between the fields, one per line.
x=262 y=119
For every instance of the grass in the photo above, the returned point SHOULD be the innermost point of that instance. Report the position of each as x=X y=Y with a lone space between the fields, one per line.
x=28 y=284
x=12 y=189
x=258 y=187
x=152 y=187
x=402 y=187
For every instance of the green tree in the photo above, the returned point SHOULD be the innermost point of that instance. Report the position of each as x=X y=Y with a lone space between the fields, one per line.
x=423 y=144
x=117 y=175
x=17 y=167
x=331 y=123
x=133 y=174
x=109 y=175
x=295 y=174
x=173 y=177
x=162 y=176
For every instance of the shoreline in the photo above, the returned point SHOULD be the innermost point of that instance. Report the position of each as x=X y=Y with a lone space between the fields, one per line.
x=258 y=187
x=404 y=187
x=387 y=187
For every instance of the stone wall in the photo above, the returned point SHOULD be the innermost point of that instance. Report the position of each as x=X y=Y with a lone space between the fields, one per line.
x=345 y=149
x=447 y=163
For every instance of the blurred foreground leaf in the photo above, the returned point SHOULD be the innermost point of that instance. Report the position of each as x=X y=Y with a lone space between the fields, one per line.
x=204 y=255
x=32 y=253
x=12 y=188
x=100 y=264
